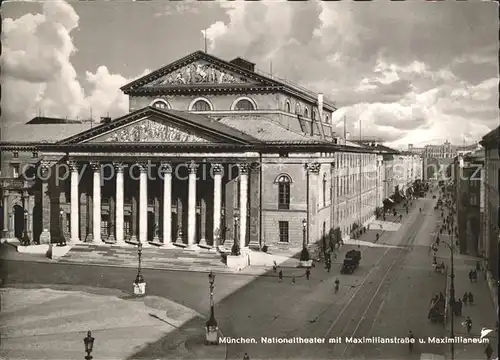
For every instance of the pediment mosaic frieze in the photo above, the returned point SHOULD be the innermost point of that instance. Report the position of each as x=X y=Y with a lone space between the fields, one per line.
x=150 y=131
x=199 y=73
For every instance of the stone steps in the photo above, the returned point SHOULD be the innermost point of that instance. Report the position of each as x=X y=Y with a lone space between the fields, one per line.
x=152 y=257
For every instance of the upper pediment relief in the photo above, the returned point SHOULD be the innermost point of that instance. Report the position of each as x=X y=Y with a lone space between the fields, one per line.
x=149 y=131
x=198 y=73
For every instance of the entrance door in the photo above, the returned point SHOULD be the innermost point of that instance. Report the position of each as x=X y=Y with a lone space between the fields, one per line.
x=18 y=221
x=151 y=225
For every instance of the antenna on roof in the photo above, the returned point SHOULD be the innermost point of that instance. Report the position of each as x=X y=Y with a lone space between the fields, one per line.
x=205 y=39
x=345 y=130
x=271 y=67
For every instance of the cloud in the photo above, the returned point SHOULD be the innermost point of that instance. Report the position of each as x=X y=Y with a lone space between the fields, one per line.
x=412 y=73
x=180 y=8
x=37 y=73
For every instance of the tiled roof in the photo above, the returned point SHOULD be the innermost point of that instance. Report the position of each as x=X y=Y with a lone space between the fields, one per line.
x=39 y=133
x=265 y=129
x=205 y=121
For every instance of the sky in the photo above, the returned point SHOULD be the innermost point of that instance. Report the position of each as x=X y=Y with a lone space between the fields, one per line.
x=404 y=72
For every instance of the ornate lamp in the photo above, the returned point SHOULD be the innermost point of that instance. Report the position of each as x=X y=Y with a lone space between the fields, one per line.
x=26 y=239
x=89 y=344
x=211 y=326
x=304 y=232
x=139 y=283
x=236 y=246
x=62 y=241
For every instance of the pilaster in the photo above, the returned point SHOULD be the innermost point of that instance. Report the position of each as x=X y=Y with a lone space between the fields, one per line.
x=45 y=236
x=254 y=200
x=313 y=170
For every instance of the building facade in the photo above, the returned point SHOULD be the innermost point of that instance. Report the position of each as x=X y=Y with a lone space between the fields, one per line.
x=491 y=240
x=467 y=179
x=210 y=153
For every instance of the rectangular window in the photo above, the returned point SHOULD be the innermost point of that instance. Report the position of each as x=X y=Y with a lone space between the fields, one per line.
x=284 y=196
x=35 y=154
x=104 y=226
x=126 y=225
x=473 y=200
x=283 y=228
x=15 y=170
x=15 y=154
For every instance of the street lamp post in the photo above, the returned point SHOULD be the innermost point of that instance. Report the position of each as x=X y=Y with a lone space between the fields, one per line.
x=304 y=233
x=212 y=329
x=139 y=283
x=26 y=238
x=89 y=344
x=62 y=240
x=452 y=295
x=236 y=245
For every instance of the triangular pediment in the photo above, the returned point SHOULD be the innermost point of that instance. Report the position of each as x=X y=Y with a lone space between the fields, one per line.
x=150 y=130
x=157 y=126
x=197 y=70
x=200 y=72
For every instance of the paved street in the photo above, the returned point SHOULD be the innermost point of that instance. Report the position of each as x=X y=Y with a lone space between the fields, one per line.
x=387 y=296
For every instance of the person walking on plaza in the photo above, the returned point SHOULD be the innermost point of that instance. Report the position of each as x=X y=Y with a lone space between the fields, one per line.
x=275 y=266
x=328 y=266
x=470 y=298
x=293 y=279
x=337 y=284
x=411 y=337
x=459 y=305
x=246 y=357
x=280 y=275
x=308 y=273
x=468 y=324
x=488 y=352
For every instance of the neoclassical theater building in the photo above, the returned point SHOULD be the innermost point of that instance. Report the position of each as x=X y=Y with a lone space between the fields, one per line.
x=211 y=151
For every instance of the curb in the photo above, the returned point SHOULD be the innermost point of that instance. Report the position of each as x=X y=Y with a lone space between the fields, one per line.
x=446 y=296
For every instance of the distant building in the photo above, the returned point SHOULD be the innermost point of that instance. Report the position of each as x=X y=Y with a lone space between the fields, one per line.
x=415 y=150
x=491 y=239
x=437 y=158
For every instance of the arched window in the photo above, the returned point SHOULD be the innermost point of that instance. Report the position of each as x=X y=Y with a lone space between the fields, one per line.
x=287 y=107
x=297 y=109
x=160 y=104
x=327 y=120
x=244 y=104
x=284 y=192
x=306 y=112
x=324 y=189
x=201 y=105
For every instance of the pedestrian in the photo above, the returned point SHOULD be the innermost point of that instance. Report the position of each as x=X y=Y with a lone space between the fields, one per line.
x=470 y=276
x=460 y=304
x=246 y=357
x=468 y=324
x=280 y=275
x=471 y=298
x=293 y=279
x=411 y=338
x=275 y=266
x=308 y=273
x=488 y=351
x=328 y=266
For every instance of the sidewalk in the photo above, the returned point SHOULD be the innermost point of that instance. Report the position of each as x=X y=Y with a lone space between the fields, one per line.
x=482 y=312
x=50 y=323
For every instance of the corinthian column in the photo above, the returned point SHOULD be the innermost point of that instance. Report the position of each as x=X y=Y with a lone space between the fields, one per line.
x=166 y=171
x=217 y=172
x=193 y=167
x=73 y=166
x=143 y=204
x=119 y=204
x=96 y=200
x=243 y=168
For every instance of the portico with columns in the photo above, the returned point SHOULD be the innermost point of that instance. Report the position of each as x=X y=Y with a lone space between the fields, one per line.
x=164 y=202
